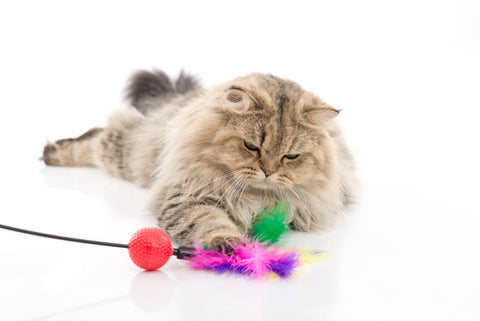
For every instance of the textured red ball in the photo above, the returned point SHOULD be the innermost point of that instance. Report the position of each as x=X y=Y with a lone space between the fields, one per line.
x=150 y=248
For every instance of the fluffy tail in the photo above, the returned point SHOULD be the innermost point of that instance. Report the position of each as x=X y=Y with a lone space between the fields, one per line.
x=150 y=89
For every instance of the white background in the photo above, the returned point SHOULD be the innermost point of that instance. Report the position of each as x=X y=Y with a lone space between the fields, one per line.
x=405 y=74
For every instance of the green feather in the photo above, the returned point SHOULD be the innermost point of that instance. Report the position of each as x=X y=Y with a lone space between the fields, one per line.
x=271 y=223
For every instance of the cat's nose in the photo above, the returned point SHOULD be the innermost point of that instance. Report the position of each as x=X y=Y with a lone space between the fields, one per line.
x=267 y=172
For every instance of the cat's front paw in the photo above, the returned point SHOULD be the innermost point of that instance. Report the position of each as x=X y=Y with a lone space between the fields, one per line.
x=225 y=243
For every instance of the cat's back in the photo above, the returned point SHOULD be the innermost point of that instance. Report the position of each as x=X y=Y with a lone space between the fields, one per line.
x=159 y=128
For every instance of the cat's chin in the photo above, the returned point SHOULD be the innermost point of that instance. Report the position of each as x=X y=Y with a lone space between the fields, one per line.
x=265 y=185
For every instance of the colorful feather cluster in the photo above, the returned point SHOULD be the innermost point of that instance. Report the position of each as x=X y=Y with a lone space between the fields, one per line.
x=252 y=258
x=256 y=257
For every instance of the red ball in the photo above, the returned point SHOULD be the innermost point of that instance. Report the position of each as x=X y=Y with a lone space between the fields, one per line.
x=150 y=248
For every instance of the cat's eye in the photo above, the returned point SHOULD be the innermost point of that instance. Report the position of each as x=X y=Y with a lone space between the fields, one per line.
x=291 y=156
x=250 y=146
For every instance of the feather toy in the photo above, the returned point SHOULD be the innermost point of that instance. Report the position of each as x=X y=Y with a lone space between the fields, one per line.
x=255 y=256
x=252 y=258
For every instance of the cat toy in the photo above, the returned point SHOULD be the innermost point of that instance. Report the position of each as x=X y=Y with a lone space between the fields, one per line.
x=150 y=248
x=257 y=255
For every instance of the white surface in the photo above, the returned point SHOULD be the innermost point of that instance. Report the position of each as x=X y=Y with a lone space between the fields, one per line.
x=406 y=77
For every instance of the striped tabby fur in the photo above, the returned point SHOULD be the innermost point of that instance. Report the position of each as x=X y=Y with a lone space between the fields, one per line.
x=211 y=158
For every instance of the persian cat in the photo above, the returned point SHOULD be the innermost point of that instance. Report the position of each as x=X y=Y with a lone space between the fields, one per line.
x=212 y=158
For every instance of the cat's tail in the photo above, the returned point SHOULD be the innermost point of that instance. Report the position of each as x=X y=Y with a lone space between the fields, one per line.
x=148 y=90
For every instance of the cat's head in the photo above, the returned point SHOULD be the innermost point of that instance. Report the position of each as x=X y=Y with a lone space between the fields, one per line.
x=274 y=134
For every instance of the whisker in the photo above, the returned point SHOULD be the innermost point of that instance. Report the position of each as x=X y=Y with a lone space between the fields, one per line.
x=227 y=190
x=198 y=192
x=244 y=188
x=237 y=189
x=284 y=195
x=233 y=190
x=301 y=201
x=191 y=194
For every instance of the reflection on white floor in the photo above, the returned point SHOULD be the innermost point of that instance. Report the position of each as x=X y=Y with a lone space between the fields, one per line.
x=149 y=292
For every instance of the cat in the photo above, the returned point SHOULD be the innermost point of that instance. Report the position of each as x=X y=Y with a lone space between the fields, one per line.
x=212 y=158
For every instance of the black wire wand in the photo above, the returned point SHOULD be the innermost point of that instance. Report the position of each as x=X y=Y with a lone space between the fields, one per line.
x=149 y=247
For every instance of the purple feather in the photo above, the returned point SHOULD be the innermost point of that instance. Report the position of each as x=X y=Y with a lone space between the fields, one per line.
x=285 y=264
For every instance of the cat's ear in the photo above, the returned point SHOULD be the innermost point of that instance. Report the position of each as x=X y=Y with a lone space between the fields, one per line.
x=319 y=116
x=237 y=100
